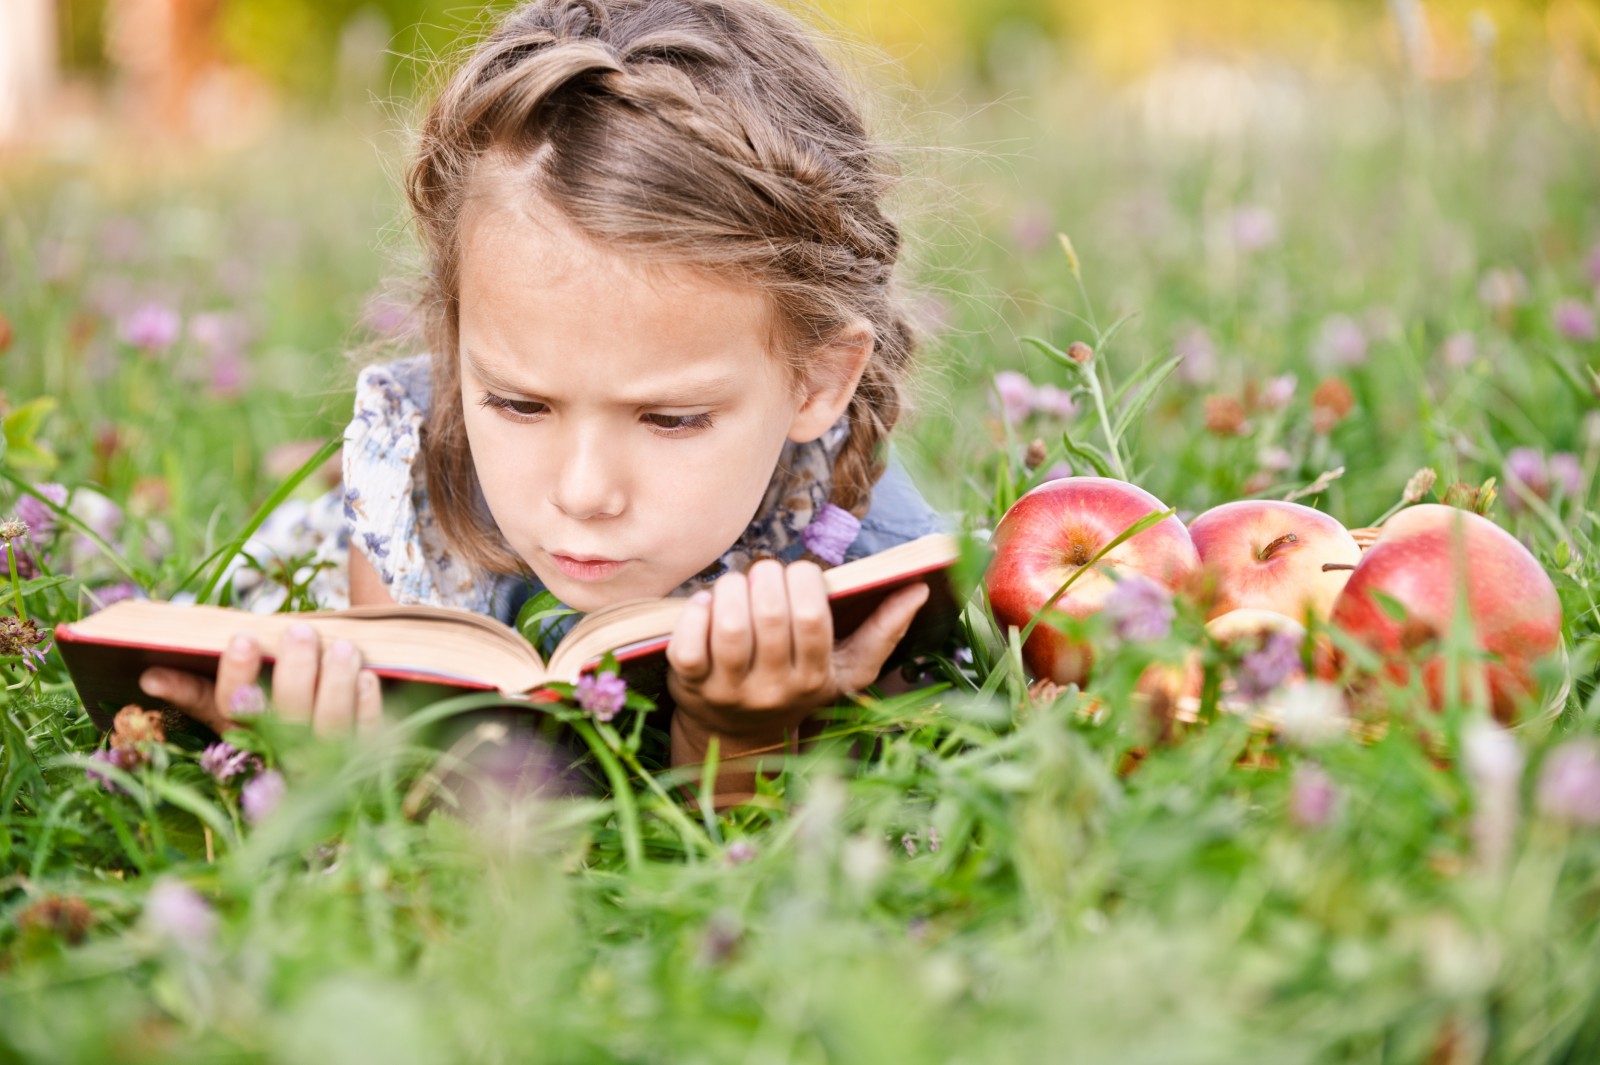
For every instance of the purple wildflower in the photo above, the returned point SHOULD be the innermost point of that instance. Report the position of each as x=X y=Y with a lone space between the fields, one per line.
x=602 y=694
x=739 y=852
x=1575 y=320
x=1056 y=402
x=1340 y=342
x=1199 y=353
x=1140 y=610
x=224 y=761
x=219 y=332
x=831 y=532
x=1540 y=476
x=1277 y=392
x=40 y=519
x=1569 y=783
x=1502 y=289
x=1313 y=796
x=388 y=317
x=1032 y=228
x=1254 y=227
x=1261 y=671
x=179 y=914
x=229 y=374
x=121 y=240
x=112 y=757
x=100 y=598
x=151 y=327
x=1458 y=350
x=247 y=699
x=261 y=796
x=1016 y=396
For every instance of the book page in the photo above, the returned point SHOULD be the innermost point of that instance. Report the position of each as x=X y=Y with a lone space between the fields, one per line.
x=636 y=622
x=440 y=641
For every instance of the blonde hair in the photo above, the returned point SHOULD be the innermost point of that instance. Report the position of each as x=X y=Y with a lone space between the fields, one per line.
x=710 y=133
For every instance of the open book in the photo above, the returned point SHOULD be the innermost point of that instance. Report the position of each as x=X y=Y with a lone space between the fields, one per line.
x=106 y=651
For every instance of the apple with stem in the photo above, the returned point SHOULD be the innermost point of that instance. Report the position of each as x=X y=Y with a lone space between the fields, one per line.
x=1271 y=555
x=1425 y=558
x=1052 y=535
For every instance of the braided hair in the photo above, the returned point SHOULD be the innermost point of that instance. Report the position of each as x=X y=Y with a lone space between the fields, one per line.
x=704 y=132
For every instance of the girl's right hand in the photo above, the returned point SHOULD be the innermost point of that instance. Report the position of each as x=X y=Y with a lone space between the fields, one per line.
x=324 y=687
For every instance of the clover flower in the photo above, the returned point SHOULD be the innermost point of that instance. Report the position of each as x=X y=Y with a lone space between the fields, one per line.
x=1575 y=320
x=1199 y=353
x=1502 y=289
x=739 y=852
x=1308 y=713
x=66 y=917
x=1254 y=227
x=261 y=796
x=831 y=532
x=1540 y=475
x=151 y=327
x=13 y=529
x=1420 y=484
x=1140 y=610
x=1313 y=796
x=247 y=699
x=602 y=694
x=1331 y=403
x=1053 y=401
x=23 y=639
x=1492 y=761
x=1263 y=670
x=224 y=761
x=1569 y=783
x=1341 y=341
x=179 y=914
x=1015 y=394
x=39 y=518
x=1277 y=392
x=1458 y=350
x=113 y=758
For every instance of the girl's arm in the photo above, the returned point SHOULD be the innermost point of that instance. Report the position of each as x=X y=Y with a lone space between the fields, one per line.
x=366 y=587
x=751 y=659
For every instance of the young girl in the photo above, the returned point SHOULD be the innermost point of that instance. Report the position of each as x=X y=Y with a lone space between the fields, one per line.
x=666 y=356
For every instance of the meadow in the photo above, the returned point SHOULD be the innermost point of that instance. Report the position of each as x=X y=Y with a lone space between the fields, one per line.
x=1365 y=275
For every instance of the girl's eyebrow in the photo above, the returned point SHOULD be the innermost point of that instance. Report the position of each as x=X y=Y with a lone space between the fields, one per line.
x=678 y=394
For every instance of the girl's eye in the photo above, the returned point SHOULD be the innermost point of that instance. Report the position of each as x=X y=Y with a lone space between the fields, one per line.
x=675 y=424
x=517 y=408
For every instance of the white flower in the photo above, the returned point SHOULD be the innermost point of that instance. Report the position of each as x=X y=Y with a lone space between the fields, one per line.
x=1308 y=713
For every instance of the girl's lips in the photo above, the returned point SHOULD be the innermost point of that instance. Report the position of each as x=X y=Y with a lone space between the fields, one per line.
x=587 y=569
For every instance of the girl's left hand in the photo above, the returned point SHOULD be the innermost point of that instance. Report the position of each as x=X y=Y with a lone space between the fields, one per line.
x=754 y=656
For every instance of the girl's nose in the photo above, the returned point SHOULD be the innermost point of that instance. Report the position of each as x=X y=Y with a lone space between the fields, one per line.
x=590 y=481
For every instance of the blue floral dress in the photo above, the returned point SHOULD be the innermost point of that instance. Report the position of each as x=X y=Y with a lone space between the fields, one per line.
x=383 y=508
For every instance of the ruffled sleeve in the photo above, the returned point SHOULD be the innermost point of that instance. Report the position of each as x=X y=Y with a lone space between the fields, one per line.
x=385 y=498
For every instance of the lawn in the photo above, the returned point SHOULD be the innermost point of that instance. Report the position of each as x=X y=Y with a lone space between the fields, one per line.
x=1366 y=276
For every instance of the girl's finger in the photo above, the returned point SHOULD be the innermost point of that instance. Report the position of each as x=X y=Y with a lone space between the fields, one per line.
x=811 y=623
x=334 y=711
x=240 y=665
x=731 y=641
x=860 y=659
x=294 y=675
x=687 y=653
x=369 y=703
x=769 y=619
x=192 y=694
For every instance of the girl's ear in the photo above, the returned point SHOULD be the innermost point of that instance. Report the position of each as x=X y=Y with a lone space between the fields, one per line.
x=832 y=374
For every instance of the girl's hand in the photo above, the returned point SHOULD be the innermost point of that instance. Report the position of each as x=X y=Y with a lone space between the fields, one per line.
x=754 y=656
x=325 y=687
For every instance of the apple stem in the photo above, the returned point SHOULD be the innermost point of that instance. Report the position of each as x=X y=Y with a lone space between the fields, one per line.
x=1286 y=538
x=1329 y=567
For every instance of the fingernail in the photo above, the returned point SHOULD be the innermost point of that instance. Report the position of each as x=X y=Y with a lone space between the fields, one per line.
x=241 y=646
x=153 y=684
x=301 y=632
x=700 y=598
x=343 y=649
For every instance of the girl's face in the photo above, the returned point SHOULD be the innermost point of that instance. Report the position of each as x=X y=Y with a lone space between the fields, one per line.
x=625 y=419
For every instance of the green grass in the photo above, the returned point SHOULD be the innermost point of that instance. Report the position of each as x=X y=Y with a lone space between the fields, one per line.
x=962 y=873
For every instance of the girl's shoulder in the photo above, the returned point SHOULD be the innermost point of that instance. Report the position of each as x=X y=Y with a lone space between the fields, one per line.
x=898 y=513
x=386 y=505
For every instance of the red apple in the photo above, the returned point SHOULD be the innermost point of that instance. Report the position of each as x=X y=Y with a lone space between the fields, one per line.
x=1422 y=558
x=1052 y=533
x=1269 y=555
